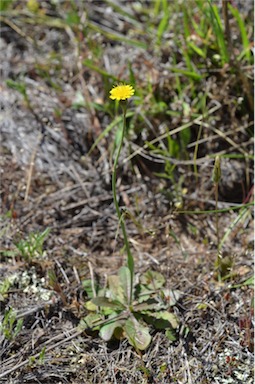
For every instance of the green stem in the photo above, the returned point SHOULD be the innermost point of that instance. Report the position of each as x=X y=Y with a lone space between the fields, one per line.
x=216 y=178
x=217 y=231
x=130 y=259
x=217 y=216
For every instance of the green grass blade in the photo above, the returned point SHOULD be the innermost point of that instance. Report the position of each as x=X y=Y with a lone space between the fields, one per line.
x=89 y=64
x=242 y=214
x=190 y=74
x=108 y=129
x=119 y=9
x=247 y=282
x=164 y=22
x=243 y=32
x=116 y=36
x=196 y=49
x=219 y=32
x=186 y=26
x=212 y=211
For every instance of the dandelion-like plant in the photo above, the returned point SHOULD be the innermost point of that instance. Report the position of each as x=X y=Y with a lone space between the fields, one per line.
x=122 y=93
x=120 y=309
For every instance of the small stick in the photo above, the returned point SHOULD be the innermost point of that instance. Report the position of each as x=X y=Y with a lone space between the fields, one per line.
x=31 y=167
x=92 y=279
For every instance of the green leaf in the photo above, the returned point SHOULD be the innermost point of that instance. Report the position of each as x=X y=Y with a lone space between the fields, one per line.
x=105 y=302
x=5 y=4
x=142 y=293
x=137 y=335
x=115 y=290
x=162 y=319
x=249 y=281
x=88 y=287
x=91 y=320
x=168 y=316
x=152 y=280
x=90 y=306
x=72 y=18
x=125 y=281
x=170 y=335
x=107 y=330
x=149 y=305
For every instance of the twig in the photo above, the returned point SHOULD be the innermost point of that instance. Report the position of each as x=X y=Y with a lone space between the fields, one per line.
x=92 y=279
x=31 y=167
x=17 y=29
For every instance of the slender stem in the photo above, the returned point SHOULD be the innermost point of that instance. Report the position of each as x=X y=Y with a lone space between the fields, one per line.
x=227 y=31
x=216 y=178
x=130 y=260
x=217 y=231
x=217 y=216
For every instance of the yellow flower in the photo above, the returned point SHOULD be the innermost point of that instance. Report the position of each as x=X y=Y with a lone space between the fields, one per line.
x=122 y=92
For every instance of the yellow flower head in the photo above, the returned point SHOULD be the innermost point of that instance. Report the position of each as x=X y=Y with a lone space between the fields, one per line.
x=122 y=92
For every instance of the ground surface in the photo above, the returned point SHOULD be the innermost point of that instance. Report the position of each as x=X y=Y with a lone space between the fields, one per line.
x=49 y=179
